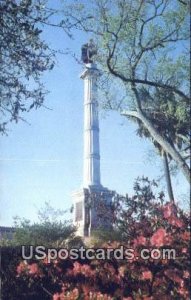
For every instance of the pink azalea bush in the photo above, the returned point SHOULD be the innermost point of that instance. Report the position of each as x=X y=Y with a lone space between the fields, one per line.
x=126 y=279
x=143 y=222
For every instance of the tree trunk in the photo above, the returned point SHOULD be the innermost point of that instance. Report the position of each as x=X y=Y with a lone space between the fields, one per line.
x=167 y=176
x=161 y=141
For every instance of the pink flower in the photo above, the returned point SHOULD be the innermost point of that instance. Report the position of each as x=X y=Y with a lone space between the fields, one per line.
x=75 y=292
x=158 y=238
x=186 y=274
x=45 y=261
x=140 y=241
x=86 y=289
x=182 y=291
x=184 y=250
x=121 y=271
x=22 y=267
x=33 y=269
x=56 y=297
x=168 y=210
x=86 y=270
x=147 y=275
x=176 y=222
x=170 y=214
x=83 y=269
x=185 y=236
x=77 y=268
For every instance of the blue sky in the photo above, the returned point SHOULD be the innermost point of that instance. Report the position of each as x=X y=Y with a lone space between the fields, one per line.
x=44 y=161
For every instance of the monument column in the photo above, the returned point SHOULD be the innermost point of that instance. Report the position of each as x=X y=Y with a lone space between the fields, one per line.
x=92 y=197
x=91 y=175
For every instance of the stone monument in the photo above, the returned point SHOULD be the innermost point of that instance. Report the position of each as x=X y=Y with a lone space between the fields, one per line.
x=86 y=200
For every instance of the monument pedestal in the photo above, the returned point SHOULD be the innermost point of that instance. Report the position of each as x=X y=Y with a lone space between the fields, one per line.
x=92 y=209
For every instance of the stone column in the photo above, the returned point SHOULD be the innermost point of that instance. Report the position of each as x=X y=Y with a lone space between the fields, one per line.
x=90 y=199
x=91 y=175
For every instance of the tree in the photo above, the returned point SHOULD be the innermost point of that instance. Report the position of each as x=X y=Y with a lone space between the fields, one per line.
x=171 y=118
x=125 y=211
x=24 y=57
x=168 y=176
x=141 y=44
x=49 y=231
x=142 y=206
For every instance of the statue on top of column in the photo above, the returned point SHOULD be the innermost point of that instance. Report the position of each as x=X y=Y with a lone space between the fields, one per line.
x=88 y=51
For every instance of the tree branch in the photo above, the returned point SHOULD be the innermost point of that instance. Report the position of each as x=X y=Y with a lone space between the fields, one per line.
x=161 y=141
x=145 y=82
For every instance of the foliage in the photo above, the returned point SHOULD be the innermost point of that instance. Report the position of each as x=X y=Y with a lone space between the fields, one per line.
x=143 y=51
x=24 y=56
x=172 y=119
x=101 y=235
x=170 y=115
x=48 y=234
x=149 y=224
x=49 y=231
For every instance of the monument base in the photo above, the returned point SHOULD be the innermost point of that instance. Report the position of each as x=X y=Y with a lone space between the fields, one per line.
x=91 y=209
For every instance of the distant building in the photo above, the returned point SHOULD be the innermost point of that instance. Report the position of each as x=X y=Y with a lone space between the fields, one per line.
x=6 y=232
